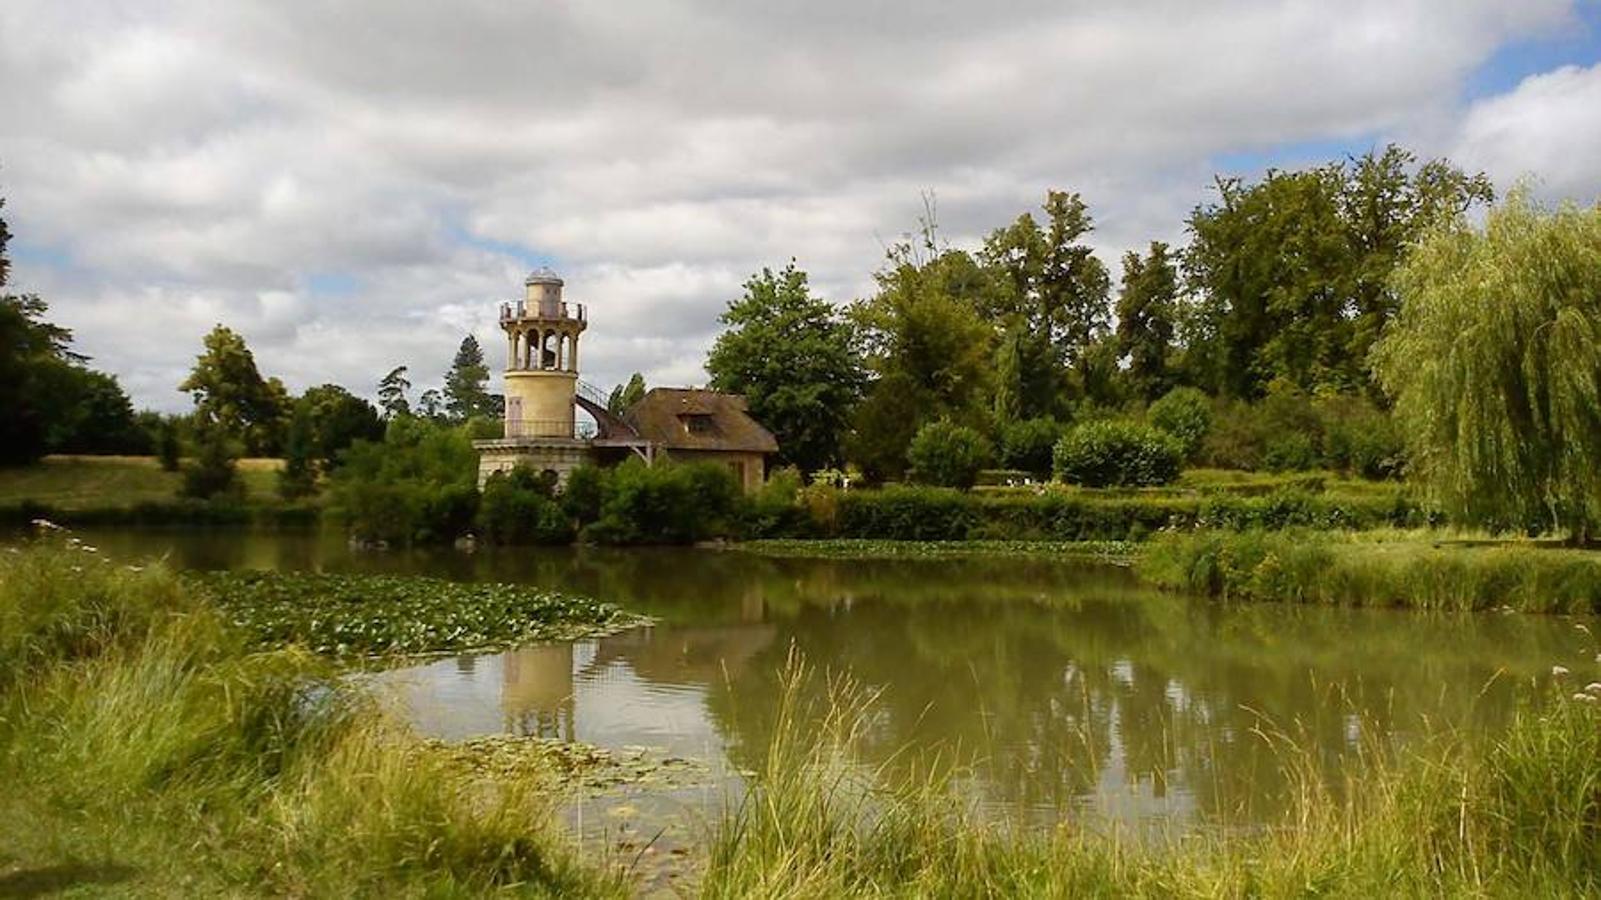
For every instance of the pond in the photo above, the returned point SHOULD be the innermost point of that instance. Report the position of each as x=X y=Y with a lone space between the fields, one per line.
x=1070 y=689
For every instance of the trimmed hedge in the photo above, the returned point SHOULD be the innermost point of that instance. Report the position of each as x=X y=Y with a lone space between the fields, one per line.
x=938 y=514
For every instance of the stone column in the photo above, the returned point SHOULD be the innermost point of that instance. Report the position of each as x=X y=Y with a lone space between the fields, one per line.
x=572 y=363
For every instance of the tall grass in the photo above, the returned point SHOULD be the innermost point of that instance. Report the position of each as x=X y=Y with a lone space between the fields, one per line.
x=136 y=730
x=1521 y=816
x=1384 y=568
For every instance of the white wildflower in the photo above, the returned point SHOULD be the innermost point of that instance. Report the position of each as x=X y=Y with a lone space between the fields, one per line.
x=1586 y=698
x=1581 y=627
x=1593 y=687
x=1558 y=671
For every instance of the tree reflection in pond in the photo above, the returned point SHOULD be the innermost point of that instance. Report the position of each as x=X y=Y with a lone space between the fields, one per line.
x=1065 y=686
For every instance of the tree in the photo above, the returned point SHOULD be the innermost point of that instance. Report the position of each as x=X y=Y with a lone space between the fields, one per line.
x=1294 y=269
x=1147 y=307
x=431 y=404
x=90 y=413
x=298 y=477
x=624 y=396
x=392 y=390
x=930 y=349
x=466 y=384
x=232 y=398
x=1051 y=278
x=795 y=361
x=334 y=419
x=1494 y=365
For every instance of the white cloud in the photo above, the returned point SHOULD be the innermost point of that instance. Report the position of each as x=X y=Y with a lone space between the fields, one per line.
x=1548 y=129
x=196 y=162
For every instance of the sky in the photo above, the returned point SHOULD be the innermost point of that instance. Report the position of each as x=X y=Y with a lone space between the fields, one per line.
x=355 y=185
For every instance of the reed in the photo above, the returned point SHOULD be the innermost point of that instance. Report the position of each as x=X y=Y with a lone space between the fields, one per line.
x=141 y=743
x=1419 y=570
x=1517 y=816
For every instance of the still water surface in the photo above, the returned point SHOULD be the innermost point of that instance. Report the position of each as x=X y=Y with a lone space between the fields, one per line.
x=1069 y=688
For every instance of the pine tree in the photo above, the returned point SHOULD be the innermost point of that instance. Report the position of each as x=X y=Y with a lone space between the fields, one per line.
x=392 y=390
x=466 y=384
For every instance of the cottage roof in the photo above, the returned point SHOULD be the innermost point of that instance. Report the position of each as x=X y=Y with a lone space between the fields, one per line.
x=690 y=419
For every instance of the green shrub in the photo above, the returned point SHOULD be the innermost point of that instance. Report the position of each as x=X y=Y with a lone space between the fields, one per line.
x=520 y=507
x=665 y=503
x=1186 y=414
x=418 y=486
x=1361 y=439
x=1107 y=453
x=908 y=513
x=948 y=455
x=1292 y=452
x=582 y=494
x=212 y=473
x=1027 y=445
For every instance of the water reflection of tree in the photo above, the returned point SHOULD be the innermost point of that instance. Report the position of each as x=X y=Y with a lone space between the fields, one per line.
x=1051 y=677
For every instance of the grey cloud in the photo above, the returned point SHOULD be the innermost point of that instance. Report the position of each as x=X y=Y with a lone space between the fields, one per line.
x=200 y=161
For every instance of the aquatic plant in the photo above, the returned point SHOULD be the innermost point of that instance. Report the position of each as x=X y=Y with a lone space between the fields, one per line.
x=364 y=615
x=1515 y=816
x=1422 y=571
x=145 y=750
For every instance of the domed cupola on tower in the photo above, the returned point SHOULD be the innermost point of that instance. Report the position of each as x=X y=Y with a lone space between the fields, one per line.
x=542 y=332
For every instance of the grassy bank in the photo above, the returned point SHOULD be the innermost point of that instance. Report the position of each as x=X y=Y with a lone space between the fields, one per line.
x=135 y=491
x=1118 y=552
x=1520 y=816
x=1418 y=570
x=74 y=483
x=146 y=750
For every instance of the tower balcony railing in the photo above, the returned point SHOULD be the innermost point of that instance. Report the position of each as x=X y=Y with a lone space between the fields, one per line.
x=564 y=429
x=514 y=310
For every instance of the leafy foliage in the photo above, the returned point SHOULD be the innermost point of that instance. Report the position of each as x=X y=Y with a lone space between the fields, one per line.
x=213 y=472
x=231 y=396
x=335 y=419
x=666 y=503
x=1495 y=367
x=948 y=455
x=418 y=485
x=795 y=361
x=1147 y=312
x=1186 y=414
x=520 y=507
x=392 y=390
x=1295 y=270
x=625 y=395
x=1028 y=445
x=466 y=383
x=1106 y=453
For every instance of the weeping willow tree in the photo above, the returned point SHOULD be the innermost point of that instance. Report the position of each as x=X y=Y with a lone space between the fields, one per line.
x=1495 y=367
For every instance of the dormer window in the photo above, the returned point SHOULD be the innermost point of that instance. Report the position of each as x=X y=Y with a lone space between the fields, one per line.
x=697 y=423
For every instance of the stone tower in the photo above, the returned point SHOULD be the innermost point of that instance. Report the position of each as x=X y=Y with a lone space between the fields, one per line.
x=541 y=359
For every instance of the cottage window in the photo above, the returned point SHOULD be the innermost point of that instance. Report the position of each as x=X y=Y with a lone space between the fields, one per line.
x=698 y=423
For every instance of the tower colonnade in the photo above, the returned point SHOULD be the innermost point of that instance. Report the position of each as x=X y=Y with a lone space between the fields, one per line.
x=542 y=332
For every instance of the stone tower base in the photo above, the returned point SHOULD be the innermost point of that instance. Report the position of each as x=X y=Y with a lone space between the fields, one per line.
x=559 y=455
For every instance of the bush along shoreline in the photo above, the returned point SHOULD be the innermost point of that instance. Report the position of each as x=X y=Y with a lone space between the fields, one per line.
x=1375 y=569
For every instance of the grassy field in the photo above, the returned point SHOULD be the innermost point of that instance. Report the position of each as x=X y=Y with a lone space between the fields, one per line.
x=97 y=482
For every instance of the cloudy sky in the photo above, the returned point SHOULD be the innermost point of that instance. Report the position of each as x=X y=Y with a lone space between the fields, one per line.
x=352 y=185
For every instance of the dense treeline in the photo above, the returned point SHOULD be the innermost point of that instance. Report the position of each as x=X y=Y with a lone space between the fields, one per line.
x=1270 y=312
x=1312 y=321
